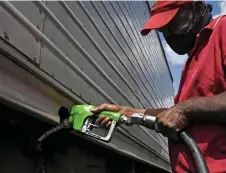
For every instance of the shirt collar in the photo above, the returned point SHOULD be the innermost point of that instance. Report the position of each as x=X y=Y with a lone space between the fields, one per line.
x=210 y=27
x=213 y=23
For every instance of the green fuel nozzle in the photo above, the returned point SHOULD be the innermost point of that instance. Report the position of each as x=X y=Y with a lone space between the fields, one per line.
x=82 y=119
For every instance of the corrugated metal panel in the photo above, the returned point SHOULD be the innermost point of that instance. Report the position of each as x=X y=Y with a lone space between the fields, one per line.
x=95 y=50
x=135 y=23
x=14 y=33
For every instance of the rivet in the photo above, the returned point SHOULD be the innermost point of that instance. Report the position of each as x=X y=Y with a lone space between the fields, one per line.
x=36 y=39
x=6 y=37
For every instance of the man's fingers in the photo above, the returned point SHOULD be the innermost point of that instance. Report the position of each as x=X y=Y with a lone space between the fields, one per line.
x=99 y=120
x=99 y=108
x=105 y=121
x=108 y=124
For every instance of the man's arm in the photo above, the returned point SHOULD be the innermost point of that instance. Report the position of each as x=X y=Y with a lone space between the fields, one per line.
x=154 y=112
x=199 y=109
x=203 y=109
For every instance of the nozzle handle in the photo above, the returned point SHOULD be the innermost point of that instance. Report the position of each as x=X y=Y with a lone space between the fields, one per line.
x=80 y=113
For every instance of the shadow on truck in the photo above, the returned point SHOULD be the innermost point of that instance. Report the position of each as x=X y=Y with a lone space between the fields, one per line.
x=62 y=152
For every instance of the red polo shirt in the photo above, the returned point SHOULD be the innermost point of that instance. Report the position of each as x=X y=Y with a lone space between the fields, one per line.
x=204 y=74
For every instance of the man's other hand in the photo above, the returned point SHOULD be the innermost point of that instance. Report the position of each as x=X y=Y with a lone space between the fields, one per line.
x=173 y=120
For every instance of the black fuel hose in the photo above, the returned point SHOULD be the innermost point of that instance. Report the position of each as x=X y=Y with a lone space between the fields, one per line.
x=196 y=154
x=65 y=124
x=150 y=122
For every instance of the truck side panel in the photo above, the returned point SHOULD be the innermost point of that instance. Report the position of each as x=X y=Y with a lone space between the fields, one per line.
x=94 y=53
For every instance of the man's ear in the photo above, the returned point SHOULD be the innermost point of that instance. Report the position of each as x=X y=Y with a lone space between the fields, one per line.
x=209 y=7
x=199 y=9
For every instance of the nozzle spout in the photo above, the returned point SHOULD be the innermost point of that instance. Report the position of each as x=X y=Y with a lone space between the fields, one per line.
x=148 y=121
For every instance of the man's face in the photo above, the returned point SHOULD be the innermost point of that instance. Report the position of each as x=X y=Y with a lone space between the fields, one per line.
x=180 y=24
x=180 y=33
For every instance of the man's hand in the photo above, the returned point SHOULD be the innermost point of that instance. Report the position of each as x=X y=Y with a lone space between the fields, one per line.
x=126 y=111
x=173 y=120
x=197 y=109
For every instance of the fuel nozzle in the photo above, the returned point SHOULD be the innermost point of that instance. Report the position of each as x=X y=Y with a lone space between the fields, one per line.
x=148 y=121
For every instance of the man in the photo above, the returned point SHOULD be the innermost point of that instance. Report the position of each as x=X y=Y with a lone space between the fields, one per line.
x=200 y=105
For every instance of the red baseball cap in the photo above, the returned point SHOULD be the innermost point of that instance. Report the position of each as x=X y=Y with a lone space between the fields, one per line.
x=162 y=12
